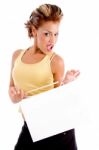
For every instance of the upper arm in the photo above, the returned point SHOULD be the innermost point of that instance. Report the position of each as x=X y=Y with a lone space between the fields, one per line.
x=14 y=56
x=58 y=69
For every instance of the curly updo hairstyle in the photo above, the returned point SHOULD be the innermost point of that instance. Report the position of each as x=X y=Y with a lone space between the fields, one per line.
x=45 y=12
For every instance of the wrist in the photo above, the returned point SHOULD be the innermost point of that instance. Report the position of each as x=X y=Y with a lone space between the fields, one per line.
x=65 y=81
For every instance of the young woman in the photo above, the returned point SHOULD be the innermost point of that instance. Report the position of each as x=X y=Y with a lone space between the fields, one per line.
x=39 y=66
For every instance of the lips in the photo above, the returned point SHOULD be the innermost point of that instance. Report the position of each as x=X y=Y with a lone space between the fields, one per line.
x=50 y=47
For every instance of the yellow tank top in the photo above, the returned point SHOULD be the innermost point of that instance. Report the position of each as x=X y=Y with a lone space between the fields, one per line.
x=29 y=77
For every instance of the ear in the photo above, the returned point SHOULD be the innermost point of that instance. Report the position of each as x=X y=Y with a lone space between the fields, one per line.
x=34 y=31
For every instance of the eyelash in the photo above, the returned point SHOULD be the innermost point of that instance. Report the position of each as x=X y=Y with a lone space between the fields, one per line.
x=47 y=34
x=56 y=34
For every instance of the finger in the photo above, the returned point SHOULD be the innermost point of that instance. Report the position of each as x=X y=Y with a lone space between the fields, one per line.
x=23 y=94
x=77 y=73
x=68 y=73
x=72 y=70
x=18 y=91
x=13 y=91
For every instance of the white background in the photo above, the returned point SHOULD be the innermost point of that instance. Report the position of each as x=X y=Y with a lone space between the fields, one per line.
x=78 y=43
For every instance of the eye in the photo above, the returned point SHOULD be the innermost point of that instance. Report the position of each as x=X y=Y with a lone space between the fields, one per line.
x=47 y=34
x=56 y=34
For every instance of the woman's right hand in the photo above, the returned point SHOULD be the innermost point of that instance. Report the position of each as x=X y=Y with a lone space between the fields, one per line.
x=16 y=94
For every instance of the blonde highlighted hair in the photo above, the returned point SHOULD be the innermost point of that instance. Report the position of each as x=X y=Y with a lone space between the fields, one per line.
x=45 y=12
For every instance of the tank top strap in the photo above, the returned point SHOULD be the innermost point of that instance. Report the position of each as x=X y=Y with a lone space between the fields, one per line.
x=52 y=56
x=20 y=56
x=22 y=53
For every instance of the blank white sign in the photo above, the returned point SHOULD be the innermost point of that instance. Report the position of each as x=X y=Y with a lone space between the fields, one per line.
x=52 y=112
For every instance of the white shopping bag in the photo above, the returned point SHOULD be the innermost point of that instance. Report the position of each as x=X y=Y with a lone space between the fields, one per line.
x=52 y=112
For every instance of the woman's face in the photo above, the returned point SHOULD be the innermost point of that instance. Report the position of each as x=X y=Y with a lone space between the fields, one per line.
x=46 y=36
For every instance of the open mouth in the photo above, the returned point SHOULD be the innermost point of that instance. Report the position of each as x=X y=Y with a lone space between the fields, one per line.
x=49 y=47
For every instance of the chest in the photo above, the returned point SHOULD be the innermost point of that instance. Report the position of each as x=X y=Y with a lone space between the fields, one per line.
x=36 y=73
x=32 y=58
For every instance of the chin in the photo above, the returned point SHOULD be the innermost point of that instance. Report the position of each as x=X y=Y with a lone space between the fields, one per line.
x=49 y=51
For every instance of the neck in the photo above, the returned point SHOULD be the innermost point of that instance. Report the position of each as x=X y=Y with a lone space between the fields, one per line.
x=35 y=49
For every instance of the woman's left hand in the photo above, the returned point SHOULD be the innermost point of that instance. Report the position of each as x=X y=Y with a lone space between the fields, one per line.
x=71 y=75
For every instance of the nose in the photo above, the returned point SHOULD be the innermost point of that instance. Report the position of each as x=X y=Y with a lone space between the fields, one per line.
x=53 y=39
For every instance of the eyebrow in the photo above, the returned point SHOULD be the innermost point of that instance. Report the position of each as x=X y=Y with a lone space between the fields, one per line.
x=49 y=31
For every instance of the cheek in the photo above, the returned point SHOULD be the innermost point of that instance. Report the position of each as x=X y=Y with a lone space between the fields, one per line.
x=40 y=42
x=43 y=40
x=56 y=39
x=40 y=38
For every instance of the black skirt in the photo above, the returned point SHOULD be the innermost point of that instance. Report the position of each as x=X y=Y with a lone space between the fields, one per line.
x=62 y=141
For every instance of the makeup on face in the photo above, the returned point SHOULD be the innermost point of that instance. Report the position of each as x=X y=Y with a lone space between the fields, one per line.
x=52 y=38
x=47 y=36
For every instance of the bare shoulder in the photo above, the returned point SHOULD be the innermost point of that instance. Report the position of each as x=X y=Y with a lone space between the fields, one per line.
x=57 y=63
x=16 y=54
x=57 y=59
